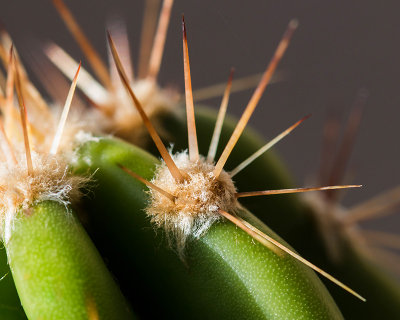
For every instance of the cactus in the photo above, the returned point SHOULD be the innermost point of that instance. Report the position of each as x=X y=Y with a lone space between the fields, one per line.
x=57 y=271
x=225 y=274
x=324 y=307
x=188 y=197
x=213 y=234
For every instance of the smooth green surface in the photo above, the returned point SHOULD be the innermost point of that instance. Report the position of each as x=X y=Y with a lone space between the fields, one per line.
x=226 y=275
x=57 y=270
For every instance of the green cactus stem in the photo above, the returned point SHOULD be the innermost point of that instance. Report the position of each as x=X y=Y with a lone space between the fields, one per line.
x=226 y=273
x=57 y=270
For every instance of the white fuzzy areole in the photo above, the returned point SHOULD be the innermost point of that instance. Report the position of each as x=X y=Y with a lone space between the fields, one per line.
x=197 y=200
x=50 y=180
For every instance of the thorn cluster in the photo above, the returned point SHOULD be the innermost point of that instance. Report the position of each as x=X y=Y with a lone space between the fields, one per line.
x=34 y=161
x=189 y=193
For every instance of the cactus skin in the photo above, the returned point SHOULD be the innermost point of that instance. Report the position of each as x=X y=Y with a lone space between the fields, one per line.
x=296 y=222
x=57 y=271
x=227 y=275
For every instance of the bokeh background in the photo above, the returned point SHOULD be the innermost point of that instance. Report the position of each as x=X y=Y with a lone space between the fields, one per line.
x=340 y=47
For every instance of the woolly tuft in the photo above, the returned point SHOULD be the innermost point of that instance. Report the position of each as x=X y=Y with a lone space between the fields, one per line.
x=50 y=180
x=197 y=200
x=120 y=117
x=29 y=171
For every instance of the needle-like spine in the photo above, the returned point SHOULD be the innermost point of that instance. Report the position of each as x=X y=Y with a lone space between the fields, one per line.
x=263 y=238
x=284 y=43
x=64 y=115
x=159 y=40
x=175 y=172
x=294 y=190
x=220 y=119
x=23 y=114
x=191 y=123
x=266 y=147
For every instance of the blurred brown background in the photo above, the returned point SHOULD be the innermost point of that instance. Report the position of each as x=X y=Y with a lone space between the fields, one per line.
x=340 y=47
